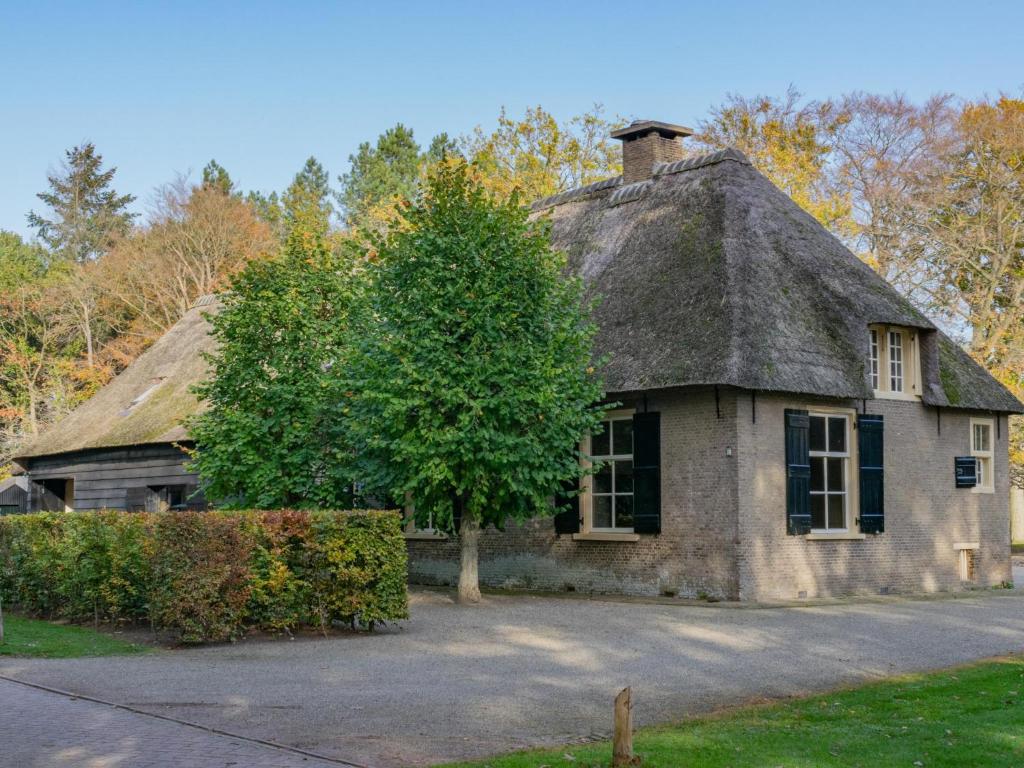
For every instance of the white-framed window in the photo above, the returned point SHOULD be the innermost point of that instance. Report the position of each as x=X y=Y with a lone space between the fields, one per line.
x=829 y=441
x=982 y=449
x=895 y=361
x=893 y=365
x=874 y=358
x=608 y=493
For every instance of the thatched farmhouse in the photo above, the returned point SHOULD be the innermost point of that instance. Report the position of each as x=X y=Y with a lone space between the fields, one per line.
x=786 y=424
x=125 y=447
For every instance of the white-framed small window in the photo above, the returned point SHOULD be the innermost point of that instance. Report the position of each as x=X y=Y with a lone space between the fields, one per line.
x=874 y=358
x=829 y=440
x=893 y=362
x=607 y=498
x=982 y=449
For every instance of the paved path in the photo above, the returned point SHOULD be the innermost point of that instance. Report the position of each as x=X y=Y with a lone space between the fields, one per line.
x=40 y=729
x=519 y=671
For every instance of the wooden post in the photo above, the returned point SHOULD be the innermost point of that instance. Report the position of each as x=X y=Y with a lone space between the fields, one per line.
x=1 y=620
x=622 y=744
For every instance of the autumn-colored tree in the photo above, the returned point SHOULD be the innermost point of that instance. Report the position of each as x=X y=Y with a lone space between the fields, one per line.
x=789 y=142
x=538 y=156
x=197 y=239
x=890 y=158
x=976 y=266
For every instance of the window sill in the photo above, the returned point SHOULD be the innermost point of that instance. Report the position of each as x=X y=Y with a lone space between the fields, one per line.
x=966 y=545
x=425 y=536
x=909 y=397
x=980 y=489
x=596 y=536
x=847 y=536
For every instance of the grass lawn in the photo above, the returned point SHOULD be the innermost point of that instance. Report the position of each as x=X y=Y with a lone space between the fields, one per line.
x=30 y=637
x=967 y=716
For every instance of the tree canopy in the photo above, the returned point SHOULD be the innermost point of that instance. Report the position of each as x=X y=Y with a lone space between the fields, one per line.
x=472 y=372
x=86 y=214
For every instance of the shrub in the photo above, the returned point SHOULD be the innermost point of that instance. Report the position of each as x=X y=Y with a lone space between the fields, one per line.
x=208 y=575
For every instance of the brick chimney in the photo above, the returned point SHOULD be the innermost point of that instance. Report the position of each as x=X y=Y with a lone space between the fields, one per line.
x=645 y=143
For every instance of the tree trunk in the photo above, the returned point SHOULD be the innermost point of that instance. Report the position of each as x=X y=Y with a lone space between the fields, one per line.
x=469 y=577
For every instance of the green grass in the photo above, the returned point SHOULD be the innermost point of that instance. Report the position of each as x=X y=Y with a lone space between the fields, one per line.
x=42 y=639
x=968 y=716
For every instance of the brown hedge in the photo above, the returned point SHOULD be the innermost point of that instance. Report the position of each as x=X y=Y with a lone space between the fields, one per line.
x=208 y=575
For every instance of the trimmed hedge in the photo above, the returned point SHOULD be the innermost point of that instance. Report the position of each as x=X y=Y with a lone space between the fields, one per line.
x=207 y=575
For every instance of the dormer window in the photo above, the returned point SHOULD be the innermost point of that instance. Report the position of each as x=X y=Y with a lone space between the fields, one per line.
x=893 y=362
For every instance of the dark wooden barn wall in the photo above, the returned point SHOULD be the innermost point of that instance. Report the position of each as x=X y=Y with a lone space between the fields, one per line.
x=103 y=476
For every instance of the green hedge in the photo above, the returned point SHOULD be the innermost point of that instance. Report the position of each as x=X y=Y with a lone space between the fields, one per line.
x=207 y=575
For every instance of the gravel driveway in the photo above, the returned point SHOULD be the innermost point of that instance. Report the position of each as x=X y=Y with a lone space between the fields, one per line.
x=524 y=671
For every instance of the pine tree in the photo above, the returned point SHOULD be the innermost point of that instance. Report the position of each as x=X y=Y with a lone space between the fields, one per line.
x=215 y=176
x=87 y=215
x=307 y=202
x=388 y=169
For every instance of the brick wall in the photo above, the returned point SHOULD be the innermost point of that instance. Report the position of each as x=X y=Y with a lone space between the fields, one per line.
x=924 y=514
x=724 y=517
x=693 y=556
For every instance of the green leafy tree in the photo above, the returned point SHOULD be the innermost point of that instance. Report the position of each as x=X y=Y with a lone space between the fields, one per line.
x=473 y=377
x=215 y=176
x=86 y=214
x=273 y=434
x=380 y=172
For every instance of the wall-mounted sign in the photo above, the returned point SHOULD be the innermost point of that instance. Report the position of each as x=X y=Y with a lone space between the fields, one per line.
x=966 y=471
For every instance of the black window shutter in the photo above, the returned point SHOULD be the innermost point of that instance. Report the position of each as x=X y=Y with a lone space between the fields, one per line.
x=647 y=472
x=567 y=520
x=798 y=472
x=872 y=497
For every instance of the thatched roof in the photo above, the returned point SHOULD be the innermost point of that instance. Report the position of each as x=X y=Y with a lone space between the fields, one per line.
x=148 y=402
x=709 y=274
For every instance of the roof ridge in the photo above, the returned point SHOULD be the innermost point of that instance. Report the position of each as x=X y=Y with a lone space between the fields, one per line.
x=699 y=161
x=573 y=194
x=635 y=190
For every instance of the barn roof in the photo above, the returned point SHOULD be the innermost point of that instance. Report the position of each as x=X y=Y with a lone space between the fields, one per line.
x=709 y=274
x=148 y=401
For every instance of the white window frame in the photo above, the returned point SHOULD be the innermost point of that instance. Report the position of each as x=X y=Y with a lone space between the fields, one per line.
x=883 y=368
x=984 y=457
x=851 y=497
x=587 y=486
x=412 y=531
x=874 y=357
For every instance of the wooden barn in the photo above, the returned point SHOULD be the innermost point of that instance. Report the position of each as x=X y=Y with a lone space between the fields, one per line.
x=14 y=495
x=126 y=447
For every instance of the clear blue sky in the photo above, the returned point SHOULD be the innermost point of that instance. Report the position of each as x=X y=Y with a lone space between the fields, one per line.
x=163 y=87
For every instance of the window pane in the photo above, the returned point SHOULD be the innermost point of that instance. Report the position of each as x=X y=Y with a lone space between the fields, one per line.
x=837 y=434
x=624 y=476
x=896 y=361
x=599 y=443
x=817 y=510
x=836 y=518
x=836 y=476
x=817 y=473
x=874 y=359
x=623 y=511
x=817 y=433
x=603 y=479
x=622 y=437
x=982 y=436
x=602 y=517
